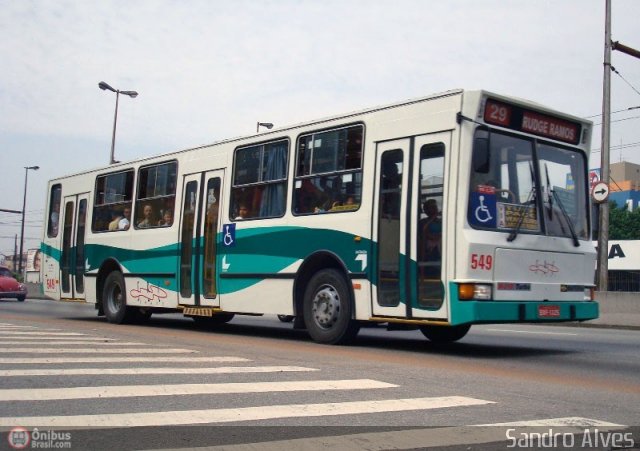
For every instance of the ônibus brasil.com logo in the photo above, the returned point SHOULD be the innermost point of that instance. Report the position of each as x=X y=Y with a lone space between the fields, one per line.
x=19 y=438
x=22 y=438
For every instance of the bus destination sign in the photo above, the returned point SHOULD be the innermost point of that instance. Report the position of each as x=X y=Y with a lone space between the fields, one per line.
x=517 y=118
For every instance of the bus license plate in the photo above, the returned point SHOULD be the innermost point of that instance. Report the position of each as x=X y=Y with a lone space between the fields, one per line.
x=548 y=311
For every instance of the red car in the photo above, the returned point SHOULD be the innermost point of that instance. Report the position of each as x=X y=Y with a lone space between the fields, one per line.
x=10 y=287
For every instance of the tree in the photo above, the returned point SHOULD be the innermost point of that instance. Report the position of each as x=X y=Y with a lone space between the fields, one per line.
x=623 y=224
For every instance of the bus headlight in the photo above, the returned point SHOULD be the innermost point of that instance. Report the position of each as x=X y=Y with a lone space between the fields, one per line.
x=477 y=291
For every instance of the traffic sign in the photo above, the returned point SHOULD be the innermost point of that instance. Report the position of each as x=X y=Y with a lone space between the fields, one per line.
x=600 y=192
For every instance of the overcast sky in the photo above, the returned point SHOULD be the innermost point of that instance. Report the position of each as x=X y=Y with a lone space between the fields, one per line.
x=208 y=70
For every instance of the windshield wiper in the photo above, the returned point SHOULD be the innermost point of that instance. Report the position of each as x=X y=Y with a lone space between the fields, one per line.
x=531 y=199
x=549 y=193
x=567 y=218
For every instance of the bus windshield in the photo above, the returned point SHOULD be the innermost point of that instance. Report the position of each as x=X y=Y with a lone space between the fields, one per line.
x=523 y=185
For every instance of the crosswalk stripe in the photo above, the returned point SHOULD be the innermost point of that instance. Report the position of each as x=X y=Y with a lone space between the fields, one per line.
x=19 y=350
x=208 y=416
x=38 y=339
x=65 y=342
x=130 y=391
x=116 y=359
x=557 y=422
x=414 y=438
x=138 y=371
x=21 y=332
x=14 y=326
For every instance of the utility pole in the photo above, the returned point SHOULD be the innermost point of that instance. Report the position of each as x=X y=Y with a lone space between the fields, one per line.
x=15 y=251
x=603 y=235
x=603 y=223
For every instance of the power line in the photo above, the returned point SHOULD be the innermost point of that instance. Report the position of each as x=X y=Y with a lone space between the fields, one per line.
x=614 y=112
x=620 y=120
x=622 y=146
x=620 y=75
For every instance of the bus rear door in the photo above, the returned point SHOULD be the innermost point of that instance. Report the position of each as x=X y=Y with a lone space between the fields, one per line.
x=72 y=256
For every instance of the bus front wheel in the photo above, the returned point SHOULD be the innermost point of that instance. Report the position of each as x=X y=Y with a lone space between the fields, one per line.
x=114 y=299
x=328 y=308
x=445 y=334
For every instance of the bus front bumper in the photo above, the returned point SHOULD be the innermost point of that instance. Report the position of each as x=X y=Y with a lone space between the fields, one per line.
x=487 y=312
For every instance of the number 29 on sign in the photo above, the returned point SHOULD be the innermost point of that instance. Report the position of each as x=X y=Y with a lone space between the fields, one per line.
x=481 y=261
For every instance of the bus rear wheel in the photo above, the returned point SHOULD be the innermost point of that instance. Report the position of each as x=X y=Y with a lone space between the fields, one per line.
x=114 y=299
x=328 y=309
x=445 y=334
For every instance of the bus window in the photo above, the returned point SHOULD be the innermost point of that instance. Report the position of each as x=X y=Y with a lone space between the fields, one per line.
x=389 y=228
x=112 y=206
x=54 y=211
x=80 y=231
x=430 y=229
x=156 y=196
x=260 y=181
x=329 y=171
x=186 y=243
x=210 y=234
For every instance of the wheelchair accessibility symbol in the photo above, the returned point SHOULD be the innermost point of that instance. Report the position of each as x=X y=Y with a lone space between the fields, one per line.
x=229 y=235
x=483 y=214
x=483 y=210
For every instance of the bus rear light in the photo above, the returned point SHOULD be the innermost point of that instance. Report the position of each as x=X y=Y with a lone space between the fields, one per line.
x=469 y=291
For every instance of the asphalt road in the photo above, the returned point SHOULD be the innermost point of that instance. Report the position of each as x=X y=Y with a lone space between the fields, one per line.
x=256 y=383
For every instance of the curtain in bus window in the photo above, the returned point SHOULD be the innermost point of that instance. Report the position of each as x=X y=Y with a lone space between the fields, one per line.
x=273 y=198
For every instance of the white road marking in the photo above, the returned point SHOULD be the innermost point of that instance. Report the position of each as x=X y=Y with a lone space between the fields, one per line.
x=14 y=326
x=421 y=438
x=208 y=416
x=120 y=359
x=20 y=332
x=530 y=332
x=131 y=391
x=559 y=422
x=19 y=350
x=138 y=371
x=69 y=342
x=83 y=338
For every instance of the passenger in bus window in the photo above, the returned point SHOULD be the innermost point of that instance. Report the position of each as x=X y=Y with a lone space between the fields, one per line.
x=115 y=221
x=55 y=216
x=431 y=228
x=167 y=219
x=147 y=220
x=243 y=212
x=126 y=221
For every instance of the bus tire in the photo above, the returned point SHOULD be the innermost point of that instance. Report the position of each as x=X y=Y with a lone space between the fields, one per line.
x=328 y=309
x=445 y=334
x=114 y=299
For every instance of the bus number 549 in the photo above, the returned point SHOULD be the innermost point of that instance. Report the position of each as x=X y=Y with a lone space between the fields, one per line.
x=481 y=262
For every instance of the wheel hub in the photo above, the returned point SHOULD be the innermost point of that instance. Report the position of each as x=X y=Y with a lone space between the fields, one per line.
x=326 y=307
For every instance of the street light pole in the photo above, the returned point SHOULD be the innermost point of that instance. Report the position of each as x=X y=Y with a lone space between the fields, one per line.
x=267 y=125
x=24 y=205
x=133 y=94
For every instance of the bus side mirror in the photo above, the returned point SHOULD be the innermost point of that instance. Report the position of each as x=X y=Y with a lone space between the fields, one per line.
x=480 y=159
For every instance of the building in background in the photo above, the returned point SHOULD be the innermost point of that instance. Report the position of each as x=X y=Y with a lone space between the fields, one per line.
x=625 y=185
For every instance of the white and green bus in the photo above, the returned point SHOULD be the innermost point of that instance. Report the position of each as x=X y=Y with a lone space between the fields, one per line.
x=460 y=208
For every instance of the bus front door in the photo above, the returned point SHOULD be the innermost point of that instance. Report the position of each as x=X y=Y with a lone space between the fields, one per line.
x=72 y=256
x=410 y=174
x=199 y=226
